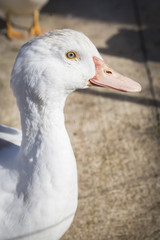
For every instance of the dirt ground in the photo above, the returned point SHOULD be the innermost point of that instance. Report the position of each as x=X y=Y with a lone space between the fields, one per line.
x=115 y=136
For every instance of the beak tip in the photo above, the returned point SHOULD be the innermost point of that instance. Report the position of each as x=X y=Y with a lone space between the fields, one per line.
x=135 y=87
x=139 y=88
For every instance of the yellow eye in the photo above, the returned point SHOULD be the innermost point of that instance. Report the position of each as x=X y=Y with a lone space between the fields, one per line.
x=71 y=55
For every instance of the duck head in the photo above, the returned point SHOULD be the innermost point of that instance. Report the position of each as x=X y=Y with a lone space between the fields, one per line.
x=63 y=61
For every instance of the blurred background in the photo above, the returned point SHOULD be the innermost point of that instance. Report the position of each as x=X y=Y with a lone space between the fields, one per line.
x=115 y=135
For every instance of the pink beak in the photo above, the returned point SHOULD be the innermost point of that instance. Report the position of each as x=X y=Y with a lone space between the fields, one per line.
x=107 y=77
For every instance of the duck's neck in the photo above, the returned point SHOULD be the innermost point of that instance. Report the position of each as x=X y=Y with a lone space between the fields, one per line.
x=46 y=157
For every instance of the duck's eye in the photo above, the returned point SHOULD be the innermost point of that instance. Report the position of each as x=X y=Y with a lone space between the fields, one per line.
x=71 y=55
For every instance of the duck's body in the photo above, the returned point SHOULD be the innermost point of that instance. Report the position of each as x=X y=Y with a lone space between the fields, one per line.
x=38 y=184
x=38 y=178
x=22 y=7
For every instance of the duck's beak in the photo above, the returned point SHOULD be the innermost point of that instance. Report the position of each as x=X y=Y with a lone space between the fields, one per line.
x=106 y=77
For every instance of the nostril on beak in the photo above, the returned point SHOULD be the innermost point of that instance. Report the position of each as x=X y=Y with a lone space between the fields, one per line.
x=107 y=71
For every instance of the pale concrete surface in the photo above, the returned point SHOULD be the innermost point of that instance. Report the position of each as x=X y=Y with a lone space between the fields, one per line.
x=115 y=136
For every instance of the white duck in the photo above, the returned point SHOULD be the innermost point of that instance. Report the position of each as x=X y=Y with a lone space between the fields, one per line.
x=22 y=7
x=38 y=180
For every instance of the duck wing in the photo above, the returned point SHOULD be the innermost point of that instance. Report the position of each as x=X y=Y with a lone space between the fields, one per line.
x=10 y=140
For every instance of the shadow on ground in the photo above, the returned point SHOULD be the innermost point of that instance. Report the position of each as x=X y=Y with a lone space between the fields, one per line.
x=123 y=44
x=100 y=10
x=124 y=98
x=2 y=24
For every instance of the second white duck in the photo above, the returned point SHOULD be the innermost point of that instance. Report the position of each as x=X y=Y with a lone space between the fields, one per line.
x=22 y=7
